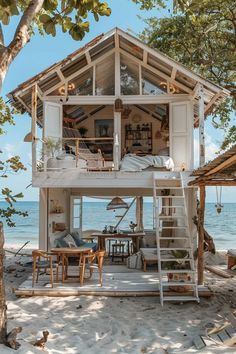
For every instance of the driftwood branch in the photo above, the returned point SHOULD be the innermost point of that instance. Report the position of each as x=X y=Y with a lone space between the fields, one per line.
x=209 y=244
x=41 y=342
x=11 y=338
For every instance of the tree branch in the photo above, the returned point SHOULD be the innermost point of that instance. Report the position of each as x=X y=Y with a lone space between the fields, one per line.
x=1 y=36
x=21 y=36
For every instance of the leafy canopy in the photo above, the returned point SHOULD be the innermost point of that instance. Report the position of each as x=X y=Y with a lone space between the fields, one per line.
x=202 y=36
x=70 y=15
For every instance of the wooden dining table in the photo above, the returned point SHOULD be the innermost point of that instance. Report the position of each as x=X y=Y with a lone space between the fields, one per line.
x=63 y=253
x=134 y=236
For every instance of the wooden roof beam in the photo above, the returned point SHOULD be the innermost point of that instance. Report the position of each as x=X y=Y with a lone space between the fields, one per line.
x=148 y=111
x=173 y=73
x=212 y=101
x=223 y=165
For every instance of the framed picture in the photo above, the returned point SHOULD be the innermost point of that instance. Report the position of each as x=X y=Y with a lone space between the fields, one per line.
x=104 y=128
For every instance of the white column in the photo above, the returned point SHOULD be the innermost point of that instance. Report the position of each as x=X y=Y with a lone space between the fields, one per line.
x=43 y=219
x=34 y=126
x=201 y=126
x=117 y=140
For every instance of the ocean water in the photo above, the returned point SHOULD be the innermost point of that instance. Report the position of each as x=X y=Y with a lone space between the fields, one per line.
x=222 y=227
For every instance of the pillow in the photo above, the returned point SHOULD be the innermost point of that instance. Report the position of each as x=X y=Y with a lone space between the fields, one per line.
x=70 y=241
x=78 y=241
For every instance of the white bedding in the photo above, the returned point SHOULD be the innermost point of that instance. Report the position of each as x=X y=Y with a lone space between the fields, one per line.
x=134 y=163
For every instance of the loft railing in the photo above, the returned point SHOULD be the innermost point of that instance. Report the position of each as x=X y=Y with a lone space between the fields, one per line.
x=53 y=154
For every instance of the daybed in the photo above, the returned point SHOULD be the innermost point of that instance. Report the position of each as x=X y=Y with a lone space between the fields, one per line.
x=135 y=163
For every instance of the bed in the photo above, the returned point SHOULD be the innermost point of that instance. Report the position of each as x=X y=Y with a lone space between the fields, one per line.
x=135 y=163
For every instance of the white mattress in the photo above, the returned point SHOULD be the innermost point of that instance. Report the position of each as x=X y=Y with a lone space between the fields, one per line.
x=134 y=163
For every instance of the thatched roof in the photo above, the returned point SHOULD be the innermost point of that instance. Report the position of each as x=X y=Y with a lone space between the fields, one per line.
x=220 y=171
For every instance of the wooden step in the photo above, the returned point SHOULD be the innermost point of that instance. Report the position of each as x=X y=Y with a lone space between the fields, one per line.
x=181 y=298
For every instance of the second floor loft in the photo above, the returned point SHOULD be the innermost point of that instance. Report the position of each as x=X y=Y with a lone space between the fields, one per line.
x=116 y=104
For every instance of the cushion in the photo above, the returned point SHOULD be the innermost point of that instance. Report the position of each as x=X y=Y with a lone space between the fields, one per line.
x=70 y=241
x=91 y=245
x=78 y=241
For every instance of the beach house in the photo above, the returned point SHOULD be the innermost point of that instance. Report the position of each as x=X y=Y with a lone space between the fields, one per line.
x=116 y=118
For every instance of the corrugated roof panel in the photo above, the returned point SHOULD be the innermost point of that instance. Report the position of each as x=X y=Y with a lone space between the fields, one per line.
x=74 y=66
x=49 y=82
x=159 y=64
x=131 y=48
x=102 y=48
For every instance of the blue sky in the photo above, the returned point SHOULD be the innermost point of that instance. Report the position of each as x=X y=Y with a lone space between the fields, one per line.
x=41 y=52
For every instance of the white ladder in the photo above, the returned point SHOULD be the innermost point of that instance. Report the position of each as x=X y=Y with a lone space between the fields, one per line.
x=170 y=219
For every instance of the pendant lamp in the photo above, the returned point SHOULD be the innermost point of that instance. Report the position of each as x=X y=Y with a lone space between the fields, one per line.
x=117 y=203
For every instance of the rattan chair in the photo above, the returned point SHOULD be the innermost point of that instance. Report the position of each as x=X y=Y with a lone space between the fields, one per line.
x=88 y=263
x=43 y=261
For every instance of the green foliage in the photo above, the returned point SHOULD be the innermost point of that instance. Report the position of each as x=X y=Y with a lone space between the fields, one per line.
x=9 y=166
x=202 y=36
x=70 y=15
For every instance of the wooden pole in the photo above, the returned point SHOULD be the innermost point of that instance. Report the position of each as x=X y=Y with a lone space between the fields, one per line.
x=139 y=213
x=33 y=125
x=201 y=126
x=3 y=307
x=201 y=214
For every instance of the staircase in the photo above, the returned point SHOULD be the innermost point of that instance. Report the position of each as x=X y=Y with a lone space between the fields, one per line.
x=174 y=242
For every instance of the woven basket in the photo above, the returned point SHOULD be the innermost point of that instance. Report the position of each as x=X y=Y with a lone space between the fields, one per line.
x=179 y=278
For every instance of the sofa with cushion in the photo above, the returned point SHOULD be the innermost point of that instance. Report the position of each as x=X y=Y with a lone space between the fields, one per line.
x=73 y=239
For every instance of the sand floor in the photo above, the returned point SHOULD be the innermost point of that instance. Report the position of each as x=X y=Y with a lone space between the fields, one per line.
x=116 y=325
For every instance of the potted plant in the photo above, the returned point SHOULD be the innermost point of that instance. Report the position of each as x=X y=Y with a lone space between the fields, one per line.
x=51 y=147
x=182 y=276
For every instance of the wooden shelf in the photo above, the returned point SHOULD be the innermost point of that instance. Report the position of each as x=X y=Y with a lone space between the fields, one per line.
x=142 y=136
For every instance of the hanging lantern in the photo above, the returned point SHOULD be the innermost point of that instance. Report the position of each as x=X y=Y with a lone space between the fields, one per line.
x=117 y=203
x=119 y=105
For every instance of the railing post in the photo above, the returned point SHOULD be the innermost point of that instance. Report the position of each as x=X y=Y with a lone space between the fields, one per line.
x=77 y=151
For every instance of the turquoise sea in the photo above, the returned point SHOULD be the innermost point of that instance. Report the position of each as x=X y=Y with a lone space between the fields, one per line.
x=95 y=216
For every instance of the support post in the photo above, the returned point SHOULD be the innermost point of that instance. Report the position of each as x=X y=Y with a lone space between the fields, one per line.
x=201 y=126
x=139 y=213
x=33 y=126
x=117 y=140
x=43 y=218
x=201 y=214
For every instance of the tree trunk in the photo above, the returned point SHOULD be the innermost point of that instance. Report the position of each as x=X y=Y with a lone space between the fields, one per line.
x=3 y=307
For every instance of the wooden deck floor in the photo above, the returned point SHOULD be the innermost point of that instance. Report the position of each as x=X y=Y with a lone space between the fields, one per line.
x=117 y=281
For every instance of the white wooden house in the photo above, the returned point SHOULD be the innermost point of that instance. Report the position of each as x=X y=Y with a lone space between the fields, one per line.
x=118 y=96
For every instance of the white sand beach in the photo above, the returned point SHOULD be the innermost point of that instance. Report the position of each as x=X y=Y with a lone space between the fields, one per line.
x=89 y=324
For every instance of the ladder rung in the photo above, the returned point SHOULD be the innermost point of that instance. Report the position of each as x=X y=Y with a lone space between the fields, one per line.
x=176 y=259
x=169 y=187
x=170 y=196
x=173 y=238
x=181 y=298
x=173 y=227
x=177 y=271
x=170 y=206
x=175 y=249
x=171 y=217
x=173 y=283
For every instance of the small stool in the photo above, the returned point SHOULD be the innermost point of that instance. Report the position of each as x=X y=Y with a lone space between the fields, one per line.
x=118 y=250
